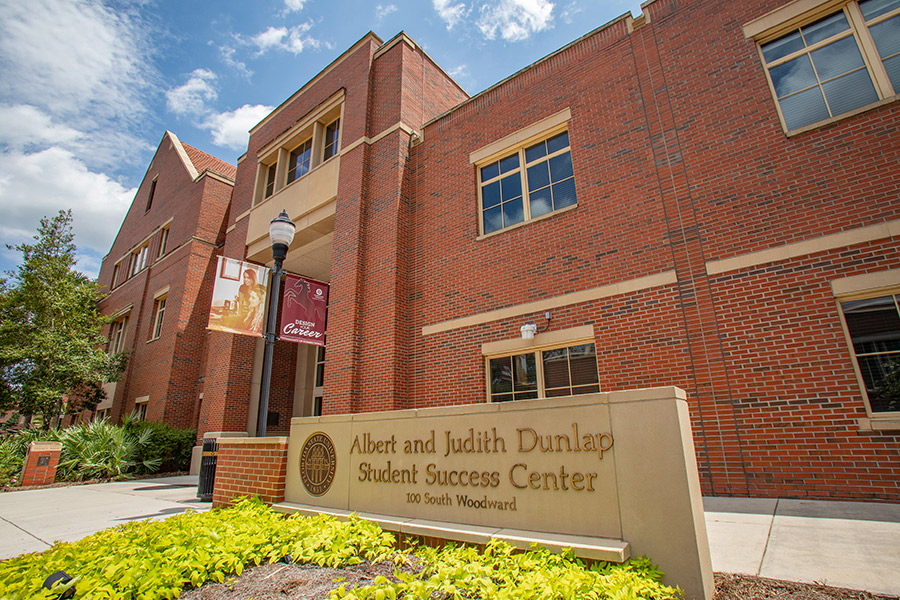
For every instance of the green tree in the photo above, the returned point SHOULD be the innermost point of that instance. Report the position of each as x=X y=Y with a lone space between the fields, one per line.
x=51 y=345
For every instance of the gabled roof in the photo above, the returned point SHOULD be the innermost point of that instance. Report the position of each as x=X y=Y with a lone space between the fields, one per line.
x=203 y=161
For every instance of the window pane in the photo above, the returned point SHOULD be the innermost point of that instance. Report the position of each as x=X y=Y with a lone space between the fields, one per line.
x=804 y=108
x=524 y=372
x=849 y=92
x=824 y=29
x=875 y=8
x=836 y=59
x=501 y=398
x=561 y=167
x=892 y=66
x=793 y=76
x=558 y=392
x=526 y=396
x=558 y=142
x=538 y=176
x=586 y=389
x=782 y=47
x=535 y=152
x=583 y=364
x=493 y=219
x=490 y=171
x=490 y=195
x=513 y=212
x=509 y=163
x=501 y=375
x=881 y=376
x=540 y=202
x=874 y=324
x=512 y=187
x=556 y=368
x=564 y=194
x=887 y=36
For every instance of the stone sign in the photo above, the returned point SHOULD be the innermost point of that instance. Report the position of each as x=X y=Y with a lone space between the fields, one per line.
x=608 y=466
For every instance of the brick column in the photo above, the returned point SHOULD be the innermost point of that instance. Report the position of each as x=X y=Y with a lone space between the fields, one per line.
x=250 y=467
x=40 y=463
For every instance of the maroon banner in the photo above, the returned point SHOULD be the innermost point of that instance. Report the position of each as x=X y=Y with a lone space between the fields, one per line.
x=303 y=310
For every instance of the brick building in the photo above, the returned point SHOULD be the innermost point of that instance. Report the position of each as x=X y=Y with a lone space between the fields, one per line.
x=705 y=196
x=158 y=276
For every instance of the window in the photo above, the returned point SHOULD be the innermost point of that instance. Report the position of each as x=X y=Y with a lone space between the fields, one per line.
x=163 y=240
x=139 y=259
x=837 y=64
x=544 y=373
x=299 y=162
x=140 y=411
x=270 y=180
x=533 y=181
x=115 y=275
x=117 y=335
x=159 y=311
x=101 y=415
x=332 y=134
x=152 y=192
x=874 y=328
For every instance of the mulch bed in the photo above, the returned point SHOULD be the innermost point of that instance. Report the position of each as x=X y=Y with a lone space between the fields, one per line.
x=308 y=582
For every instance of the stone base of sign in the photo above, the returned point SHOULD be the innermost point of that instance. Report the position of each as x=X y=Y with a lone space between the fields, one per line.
x=608 y=474
x=197 y=451
x=40 y=464
x=250 y=467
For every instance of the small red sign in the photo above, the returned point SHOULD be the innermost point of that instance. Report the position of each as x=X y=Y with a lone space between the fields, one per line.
x=303 y=310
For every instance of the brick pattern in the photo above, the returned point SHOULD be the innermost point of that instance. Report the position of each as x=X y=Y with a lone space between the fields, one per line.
x=254 y=467
x=40 y=464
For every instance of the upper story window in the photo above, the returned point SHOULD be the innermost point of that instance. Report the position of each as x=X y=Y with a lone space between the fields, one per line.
x=532 y=181
x=834 y=65
x=151 y=194
x=139 y=259
x=159 y=311
x=270 y=181
x=163 y=242
x=332 y=135
x=300 y=160
x=546 y=373
x=115 y=275
x=117 y=335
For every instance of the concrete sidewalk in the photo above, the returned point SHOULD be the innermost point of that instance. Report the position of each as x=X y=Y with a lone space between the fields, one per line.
x=844 y=544
x=31 y=520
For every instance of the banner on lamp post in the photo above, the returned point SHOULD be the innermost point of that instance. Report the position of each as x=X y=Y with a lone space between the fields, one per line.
x=239 y=297
x=304 y=308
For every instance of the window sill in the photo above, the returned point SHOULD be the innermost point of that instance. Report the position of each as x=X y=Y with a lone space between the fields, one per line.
x=889 y=422
x=819 y=124
x=485 y=236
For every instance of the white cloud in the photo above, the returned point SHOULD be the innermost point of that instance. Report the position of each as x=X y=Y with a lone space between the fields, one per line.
x=228 y=58
x=39 y=184
x=23 y=126
x=231 y=129
x=192 y=96
x=294 y=39
x=515 y=20
x=382 y=11
x=294 y=5
x=450 y=13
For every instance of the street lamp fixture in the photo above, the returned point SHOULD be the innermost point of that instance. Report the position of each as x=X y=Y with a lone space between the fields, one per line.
x=281 y=234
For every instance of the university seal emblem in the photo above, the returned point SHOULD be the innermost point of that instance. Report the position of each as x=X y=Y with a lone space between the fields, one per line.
x=318 y=461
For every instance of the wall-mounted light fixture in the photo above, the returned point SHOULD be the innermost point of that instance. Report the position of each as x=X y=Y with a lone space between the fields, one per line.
x=529 y=329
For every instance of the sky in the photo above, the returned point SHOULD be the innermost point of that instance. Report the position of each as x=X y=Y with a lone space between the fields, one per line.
x=88 y=88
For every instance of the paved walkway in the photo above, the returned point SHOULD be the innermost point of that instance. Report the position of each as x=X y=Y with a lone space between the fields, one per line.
x=844 y=544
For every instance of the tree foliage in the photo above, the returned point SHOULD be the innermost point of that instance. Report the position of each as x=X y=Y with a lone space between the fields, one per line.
x=52 y=354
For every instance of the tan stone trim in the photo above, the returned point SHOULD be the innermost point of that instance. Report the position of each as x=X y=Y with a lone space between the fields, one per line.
x=824 y=243
x=45 y=446
x=400 y=37
x=122 y=312
x=216 y=176
x=865 y=285
x=307 y=120
x=160 y=293
x=562 y=337
x=605 y=291
x=787 y=17
x=182 y=154
x=350 y=51
x=142 y=399
x=240 y=441
x=523 y=136
x=373 y=140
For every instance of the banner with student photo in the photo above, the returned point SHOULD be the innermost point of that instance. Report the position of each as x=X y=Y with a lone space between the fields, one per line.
x=239 y=297
x=304 y=308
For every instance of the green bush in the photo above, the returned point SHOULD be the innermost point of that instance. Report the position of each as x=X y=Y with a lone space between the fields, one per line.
x=99 y=449
x=170 y=445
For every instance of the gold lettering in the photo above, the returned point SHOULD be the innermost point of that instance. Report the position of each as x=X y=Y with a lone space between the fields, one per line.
x=533 y=434
x=512 y=478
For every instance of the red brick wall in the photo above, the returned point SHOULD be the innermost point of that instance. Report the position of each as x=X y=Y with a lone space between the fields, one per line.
x=34 y=473
x=250 y=467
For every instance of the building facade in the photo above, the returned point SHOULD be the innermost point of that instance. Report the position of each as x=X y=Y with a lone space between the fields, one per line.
x=705 y=196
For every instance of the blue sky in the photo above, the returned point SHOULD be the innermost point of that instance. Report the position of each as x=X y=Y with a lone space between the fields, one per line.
x=87 y=88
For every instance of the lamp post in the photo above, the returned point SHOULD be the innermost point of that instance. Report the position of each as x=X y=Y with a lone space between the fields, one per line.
x=281 y=234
